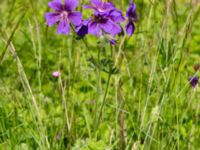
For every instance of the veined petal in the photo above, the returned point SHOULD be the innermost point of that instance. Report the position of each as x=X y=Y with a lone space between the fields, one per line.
x=107 y=26
x=131 y=10
x=99 y=7
x=82 y=30
x=71 y=4
x=116 y=16
x=52 y=18
x=130 y=27
x=96 y=2
x=56 y=5
x=88 y=7
x=111 y=27
x=85 y=22
x=75 y=18
x=116 y=29
x=63 y=27
x=93 y=28
x=108 y=6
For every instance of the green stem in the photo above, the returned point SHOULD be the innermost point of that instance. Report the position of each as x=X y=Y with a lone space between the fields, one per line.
x=98 y=85
x=104 y=99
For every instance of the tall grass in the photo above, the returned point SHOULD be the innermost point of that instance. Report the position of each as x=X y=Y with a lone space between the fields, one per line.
x=142 y=100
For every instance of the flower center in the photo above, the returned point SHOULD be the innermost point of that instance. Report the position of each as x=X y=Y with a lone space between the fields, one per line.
x=64 y=15
x=99 y=19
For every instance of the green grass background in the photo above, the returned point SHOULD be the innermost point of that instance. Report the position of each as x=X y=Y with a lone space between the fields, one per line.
x=149 y=102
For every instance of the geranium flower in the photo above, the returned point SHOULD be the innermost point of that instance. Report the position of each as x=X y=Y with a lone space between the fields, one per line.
x=132 y=17
x=105 y=19
x=101 y=24
x=63 y=15
x=193 y=81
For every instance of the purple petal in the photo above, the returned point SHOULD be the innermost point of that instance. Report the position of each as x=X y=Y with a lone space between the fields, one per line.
x=116 y=29
x=82 y=29
x=131 y=13
x=108 y=6
x=111 y=27
x=63 y=27
x=112 y=42
x=107 y=26
x=131 y=10
x=85 y=22
x=100 y=7
x=93 y=28
x=52 y=18
x=104 y=8
x=71 y=4
x=193 y=81
x=96 y=2
x=88 y=7
x=56 y=5
x=116 y=16
x=75 y=18
x=130 y=27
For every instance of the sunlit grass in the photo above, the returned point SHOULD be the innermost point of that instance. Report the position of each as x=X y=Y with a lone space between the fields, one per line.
x=147 y=103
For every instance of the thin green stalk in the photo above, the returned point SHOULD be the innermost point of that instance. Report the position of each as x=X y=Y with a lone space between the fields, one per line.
x=10 y=38
x=98 y=85
x=104 y=99
x=27 y=87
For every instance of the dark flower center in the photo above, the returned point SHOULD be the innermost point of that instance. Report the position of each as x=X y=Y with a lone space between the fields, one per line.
x=99 y=19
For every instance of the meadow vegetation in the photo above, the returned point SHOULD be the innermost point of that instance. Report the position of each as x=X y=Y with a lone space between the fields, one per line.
x=129 y=96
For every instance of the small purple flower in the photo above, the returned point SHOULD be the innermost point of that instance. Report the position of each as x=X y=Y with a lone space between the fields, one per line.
x=193 y=81
x=82 y=29
x=132 y=17
x=63 y=15
x=56 y=74
x=112 y=42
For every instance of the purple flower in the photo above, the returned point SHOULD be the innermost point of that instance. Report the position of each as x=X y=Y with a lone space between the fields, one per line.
x=100 y=7
x=132 y=17
x=56 y=74
x=112 y=42
x=106 y=18
x=101 y=24
x=63 y=15
x=193 y=81
x=82 y=29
